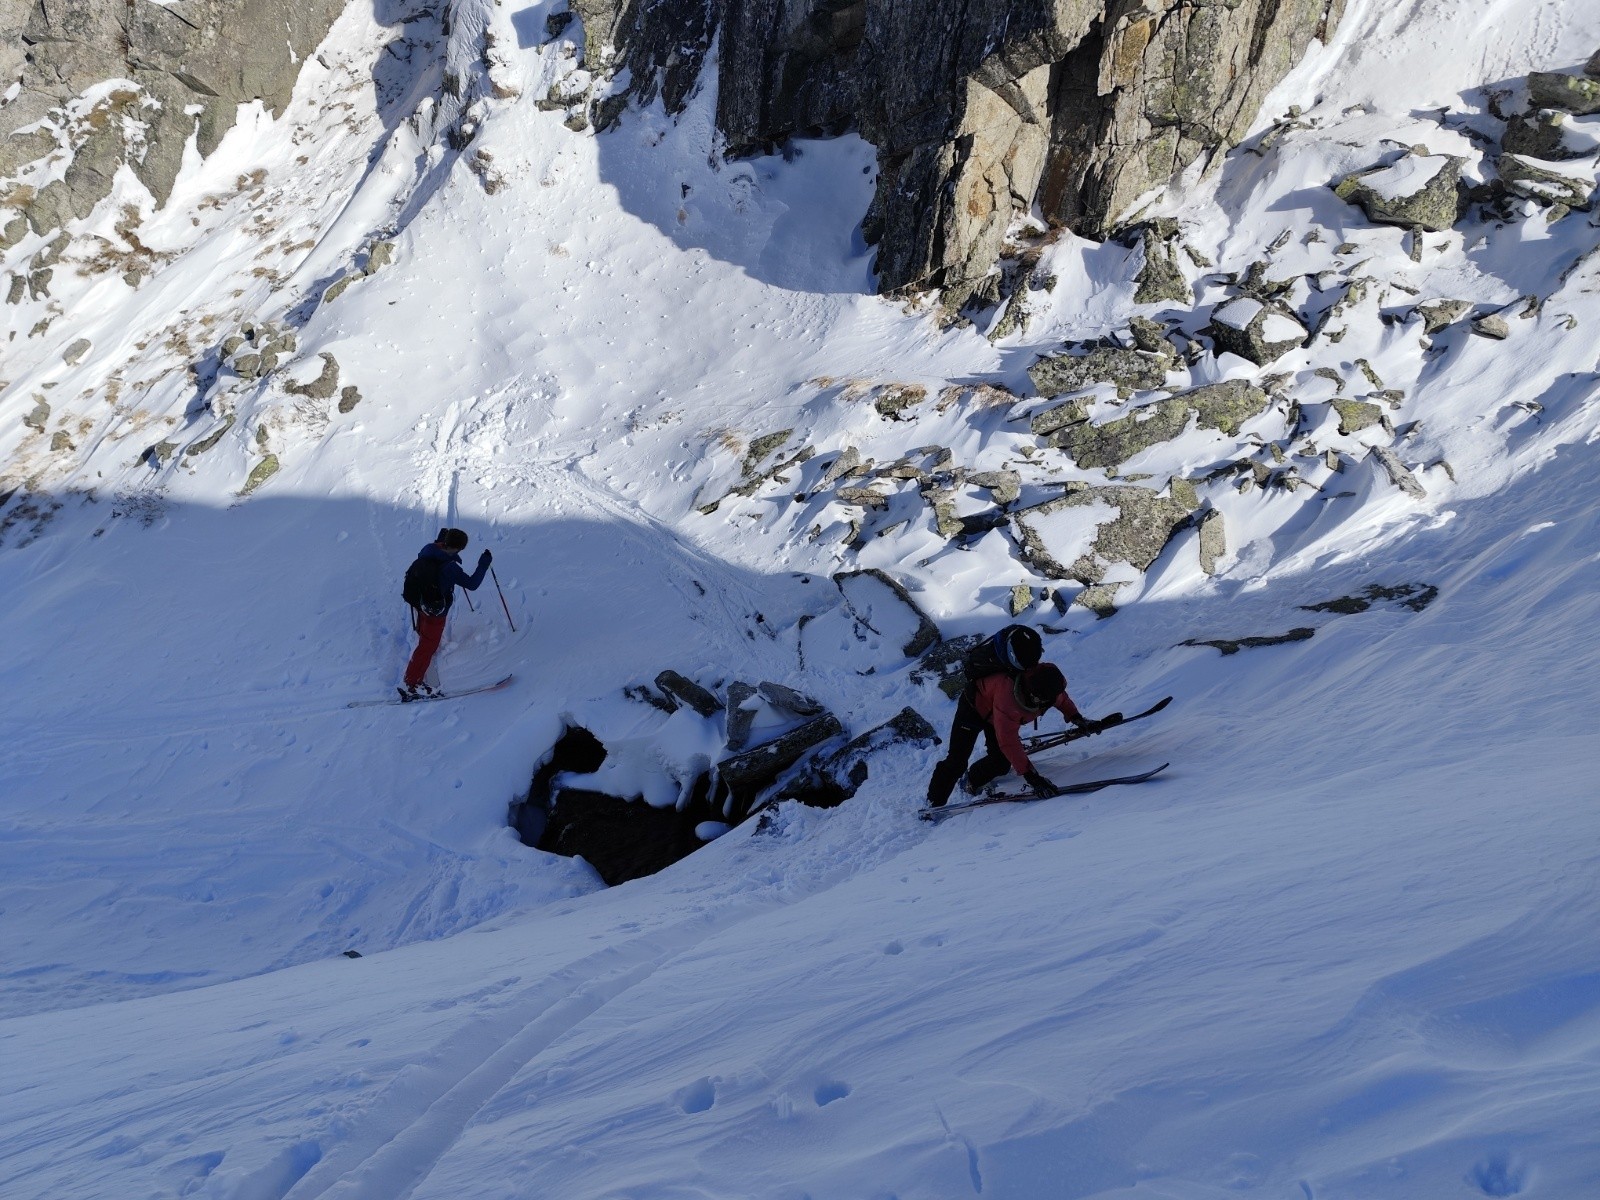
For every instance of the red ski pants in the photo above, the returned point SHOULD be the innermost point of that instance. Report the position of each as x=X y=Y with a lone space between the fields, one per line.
x=429 y=631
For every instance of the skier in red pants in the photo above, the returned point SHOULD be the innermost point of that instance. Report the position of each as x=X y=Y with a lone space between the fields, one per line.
x=996 y=708
x=430 y=589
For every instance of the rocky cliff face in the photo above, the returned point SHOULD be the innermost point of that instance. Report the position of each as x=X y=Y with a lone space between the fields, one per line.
x=100 y=83
x=978 y=108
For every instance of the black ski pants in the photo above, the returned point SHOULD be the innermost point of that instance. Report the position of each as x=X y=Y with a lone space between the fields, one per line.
x=964 y=731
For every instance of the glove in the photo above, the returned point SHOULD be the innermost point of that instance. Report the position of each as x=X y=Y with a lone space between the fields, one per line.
x=484 y=560
x=1041 y=786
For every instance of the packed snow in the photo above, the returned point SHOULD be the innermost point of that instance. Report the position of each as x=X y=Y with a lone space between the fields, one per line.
x=259 y=944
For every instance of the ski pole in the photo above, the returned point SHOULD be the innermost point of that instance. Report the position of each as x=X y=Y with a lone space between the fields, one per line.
x=503 y=604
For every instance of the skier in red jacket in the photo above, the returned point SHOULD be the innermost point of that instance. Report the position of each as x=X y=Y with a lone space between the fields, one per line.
x=997 y=707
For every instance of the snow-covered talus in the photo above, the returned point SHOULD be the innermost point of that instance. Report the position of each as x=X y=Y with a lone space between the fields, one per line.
x=1343 y=949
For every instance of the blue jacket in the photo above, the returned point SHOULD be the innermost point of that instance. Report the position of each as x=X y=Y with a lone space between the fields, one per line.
x=451 y=574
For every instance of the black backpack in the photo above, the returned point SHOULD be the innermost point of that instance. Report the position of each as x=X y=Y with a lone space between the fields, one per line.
x=425 y=589
x=1010 y=652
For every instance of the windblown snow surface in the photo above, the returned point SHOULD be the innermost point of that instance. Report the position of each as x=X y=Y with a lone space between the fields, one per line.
x=1347 y=946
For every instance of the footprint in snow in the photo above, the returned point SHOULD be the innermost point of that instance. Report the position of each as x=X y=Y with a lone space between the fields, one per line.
x=698 y=1096
x=830 y=1091
x=1499 y=1174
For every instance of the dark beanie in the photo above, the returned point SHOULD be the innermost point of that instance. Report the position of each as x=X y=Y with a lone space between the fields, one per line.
x=452 y=539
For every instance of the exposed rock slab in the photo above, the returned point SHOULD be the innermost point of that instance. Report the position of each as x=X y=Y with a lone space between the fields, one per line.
x=1569 y=93
x=862 y=590
x=746 y=775
x=1213 y=541
x=1529 y=179
x=1128 y=370
x=1416 y=191
x=1261 y=332
x=1234 y=645
x=1222 y=406
x=684 y=690
x=833 y=778
x=1083 y=534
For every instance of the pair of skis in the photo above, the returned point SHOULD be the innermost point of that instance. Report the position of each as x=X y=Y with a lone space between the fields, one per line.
x=1047 y=742
x=496 y=686
x=1072 y=789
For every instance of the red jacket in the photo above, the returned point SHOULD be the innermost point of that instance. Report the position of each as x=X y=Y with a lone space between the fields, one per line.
x=995 y=698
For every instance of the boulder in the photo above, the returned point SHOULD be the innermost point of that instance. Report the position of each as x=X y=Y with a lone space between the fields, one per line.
x=322 y=387
x=76 y=352
x=1213 y=540
x=862 y=497
x=893 y=399
x=832 y=778
x=789 y=700
x=944 y=663
x=338 y=288
x=1257 y=331
x=1083 y=534
x=1416 y=191
x=1398 y=473
x=681 y=689
x=1051 y=420
x=753 y=476
x=1004 y=486
x=846 y=464
x=38 y=417
x=379 y=257
x=1530 y=180
x=201 y=445
x=1160 y=278
x=1129 y=370
x=1568 y=93
x=1356 y=415
x=1149 y=335
x=748 y=774
x=742 y=706
x=349 y=397
x=1222 y=406
x=1492 y=325
x=1099 y=598
x=1437 y=314
x=1544 y=135
x=263 y=471
x=160 y=454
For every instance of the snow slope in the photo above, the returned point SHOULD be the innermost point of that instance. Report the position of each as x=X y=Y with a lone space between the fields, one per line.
x=1345 y=947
